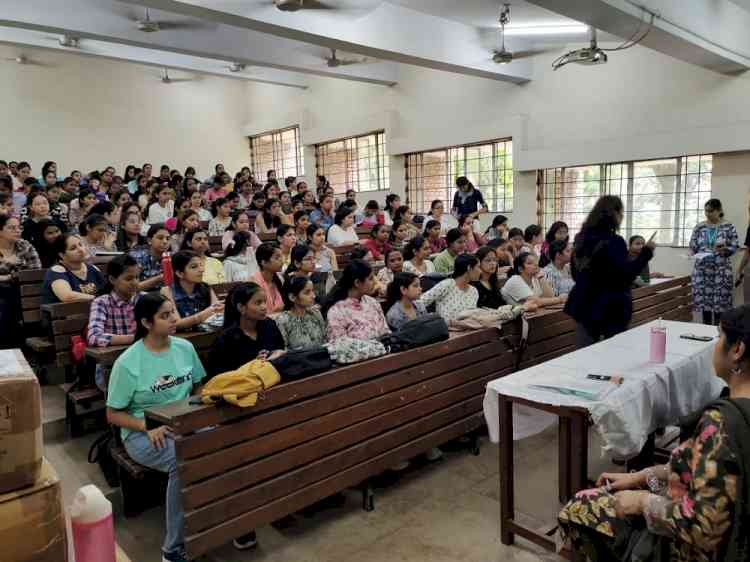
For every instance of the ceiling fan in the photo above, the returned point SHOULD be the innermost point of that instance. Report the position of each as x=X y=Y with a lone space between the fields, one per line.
x=334 y=62
x=297 y=5
x=147 y=25
x=502 y=55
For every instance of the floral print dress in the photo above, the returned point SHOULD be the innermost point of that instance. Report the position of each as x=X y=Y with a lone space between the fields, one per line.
x=713 y=276
x=689 y=519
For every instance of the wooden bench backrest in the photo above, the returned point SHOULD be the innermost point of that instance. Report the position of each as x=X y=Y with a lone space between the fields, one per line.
x=30 y=287
x=63 y=321
x=310 y=438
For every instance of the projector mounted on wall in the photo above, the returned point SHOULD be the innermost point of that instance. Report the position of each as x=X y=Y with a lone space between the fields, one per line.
x=589 y=56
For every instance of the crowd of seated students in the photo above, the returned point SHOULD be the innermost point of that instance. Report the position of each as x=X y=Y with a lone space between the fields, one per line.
x=276 y=305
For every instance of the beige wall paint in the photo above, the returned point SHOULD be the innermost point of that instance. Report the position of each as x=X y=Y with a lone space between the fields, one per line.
x=641 y=105
x=86 y=113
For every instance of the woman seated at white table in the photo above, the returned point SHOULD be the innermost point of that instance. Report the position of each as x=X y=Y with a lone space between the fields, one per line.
x=692 y=508
x=526 y=284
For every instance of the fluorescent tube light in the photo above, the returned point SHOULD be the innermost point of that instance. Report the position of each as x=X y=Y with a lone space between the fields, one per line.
x=529 y=30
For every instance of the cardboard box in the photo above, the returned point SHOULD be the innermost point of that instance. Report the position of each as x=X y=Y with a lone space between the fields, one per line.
x=32 y=521
x=21 y=445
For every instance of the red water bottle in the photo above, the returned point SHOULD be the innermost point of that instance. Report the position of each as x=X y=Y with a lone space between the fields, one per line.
x=166 y=268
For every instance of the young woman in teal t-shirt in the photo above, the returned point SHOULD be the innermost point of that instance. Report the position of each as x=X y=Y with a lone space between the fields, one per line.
x=157 y=369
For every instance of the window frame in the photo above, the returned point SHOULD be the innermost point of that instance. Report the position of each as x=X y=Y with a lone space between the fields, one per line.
x=625 y=190
x=415 y=185
x=381 y=167
x=277 y=154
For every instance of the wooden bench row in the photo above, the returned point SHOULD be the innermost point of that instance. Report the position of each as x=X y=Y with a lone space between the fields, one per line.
x=305 y=440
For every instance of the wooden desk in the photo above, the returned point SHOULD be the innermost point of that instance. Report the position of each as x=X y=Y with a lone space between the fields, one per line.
x=551 y=335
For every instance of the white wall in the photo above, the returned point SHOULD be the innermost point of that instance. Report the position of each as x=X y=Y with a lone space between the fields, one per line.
x=641 y=105
x=86 y=113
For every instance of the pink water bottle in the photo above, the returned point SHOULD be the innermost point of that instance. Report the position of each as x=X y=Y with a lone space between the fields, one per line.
x=92 y=527
x=658 y=343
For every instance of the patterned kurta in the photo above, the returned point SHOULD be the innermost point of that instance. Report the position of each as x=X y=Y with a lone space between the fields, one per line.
x=713 y=275
x=691 y=521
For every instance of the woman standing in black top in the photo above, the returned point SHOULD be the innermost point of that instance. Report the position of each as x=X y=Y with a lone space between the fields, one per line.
x=601 y=302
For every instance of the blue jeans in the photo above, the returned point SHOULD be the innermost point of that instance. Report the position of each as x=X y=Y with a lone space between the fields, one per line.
x=164 y=460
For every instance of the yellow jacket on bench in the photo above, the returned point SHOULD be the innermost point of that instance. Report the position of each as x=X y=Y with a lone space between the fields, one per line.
x=241 y=386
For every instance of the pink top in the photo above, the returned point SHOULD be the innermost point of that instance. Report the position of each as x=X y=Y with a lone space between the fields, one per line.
x=274 y=302
x=360 y=319
x=377 y=253
x=213 y=194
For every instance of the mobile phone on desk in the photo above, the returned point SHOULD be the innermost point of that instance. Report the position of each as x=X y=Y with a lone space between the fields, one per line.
x=696 y=338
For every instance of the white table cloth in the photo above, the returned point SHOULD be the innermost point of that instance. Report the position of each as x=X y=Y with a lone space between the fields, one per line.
x=651 y=396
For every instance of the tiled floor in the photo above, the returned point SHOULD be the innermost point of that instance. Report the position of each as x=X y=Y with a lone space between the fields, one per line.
x=439 y=512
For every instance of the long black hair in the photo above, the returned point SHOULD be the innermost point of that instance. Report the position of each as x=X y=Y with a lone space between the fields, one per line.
x=401 y=280
x=297 y=255
x=531 y=232
x=238 y=295
x=238 y=245
x=180 y=261
x=482 y=253
x=394 y=228
x=293 y=286
x=388 y=200
x=499 y=220
x=145 y=309
x=715 y=205
x=271 y=221
x=463 y=264
x=115 y=268
x=432 y=223
x=603 y=217
x=414 y=245
x=264 y=253
x=341 y=213
x=518 y=263
x=187 y=242
x=552 y=232
x=90 y=222
x=357 y=270
x=218 y=202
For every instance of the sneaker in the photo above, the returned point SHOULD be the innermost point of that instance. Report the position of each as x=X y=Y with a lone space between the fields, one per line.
x=434 y=454
x=246 y=541
x=176 y=556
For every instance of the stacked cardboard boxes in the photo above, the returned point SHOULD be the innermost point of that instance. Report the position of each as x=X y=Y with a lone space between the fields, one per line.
x=32 y=521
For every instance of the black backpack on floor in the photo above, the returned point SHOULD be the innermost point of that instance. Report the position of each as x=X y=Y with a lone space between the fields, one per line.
x=427 y=329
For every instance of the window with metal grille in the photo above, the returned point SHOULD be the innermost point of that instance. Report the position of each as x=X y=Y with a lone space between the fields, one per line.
x=432 y=174
x=278 y=150
x=359 y=163
x=665 y=196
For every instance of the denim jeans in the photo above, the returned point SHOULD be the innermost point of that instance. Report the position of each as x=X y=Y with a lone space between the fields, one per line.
x=164 y=460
